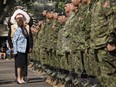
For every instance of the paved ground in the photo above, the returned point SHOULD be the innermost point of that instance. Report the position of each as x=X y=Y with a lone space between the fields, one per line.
x=7 y=76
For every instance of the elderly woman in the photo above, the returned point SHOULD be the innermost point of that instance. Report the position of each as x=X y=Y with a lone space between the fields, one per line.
x=14 y=20
x=21 y=48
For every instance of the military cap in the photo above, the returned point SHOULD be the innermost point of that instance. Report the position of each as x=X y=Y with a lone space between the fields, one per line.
x=41 y=17
x=58 y=10
x=54 y=9
x=62 y=13
x=46 y=8
x=50 y=10
x=68 y=1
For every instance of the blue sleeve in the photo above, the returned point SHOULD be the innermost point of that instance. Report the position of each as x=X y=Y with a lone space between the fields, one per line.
x=16 y=36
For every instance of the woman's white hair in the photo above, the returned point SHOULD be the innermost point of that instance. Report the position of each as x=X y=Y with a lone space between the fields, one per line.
x=27 y=17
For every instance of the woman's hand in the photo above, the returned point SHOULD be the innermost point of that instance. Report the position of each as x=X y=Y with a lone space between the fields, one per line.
x=30 y=50
x=12 y=50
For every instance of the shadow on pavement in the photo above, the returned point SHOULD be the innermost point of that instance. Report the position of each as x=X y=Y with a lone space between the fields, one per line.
x=5 y=82
x=35 y=80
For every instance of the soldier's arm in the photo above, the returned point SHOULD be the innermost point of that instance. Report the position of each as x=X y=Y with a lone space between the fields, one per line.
x=111 y=45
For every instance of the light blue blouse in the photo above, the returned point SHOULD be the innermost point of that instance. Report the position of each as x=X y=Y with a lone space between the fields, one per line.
x=19 y=42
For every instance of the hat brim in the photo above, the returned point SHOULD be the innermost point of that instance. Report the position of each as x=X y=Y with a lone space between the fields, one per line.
x=27 y=17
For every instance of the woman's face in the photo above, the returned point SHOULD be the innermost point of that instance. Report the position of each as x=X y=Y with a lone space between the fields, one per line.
x=18 y=16
x=25 y=23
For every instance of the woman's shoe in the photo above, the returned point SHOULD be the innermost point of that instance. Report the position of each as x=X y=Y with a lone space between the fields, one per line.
x=19 y=82
x=24 y=82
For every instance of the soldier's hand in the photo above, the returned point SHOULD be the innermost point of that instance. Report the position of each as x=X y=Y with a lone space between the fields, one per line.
x=111 y=47
x=30 y=50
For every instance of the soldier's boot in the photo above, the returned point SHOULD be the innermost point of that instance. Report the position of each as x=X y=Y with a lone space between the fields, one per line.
x=40 y=66
x=53 y=77
x=54 y=83
x=49 y=72
x=68 y=81
x=75 y=82
x=62 y=78
x=58 y=80
x=48 y=80
x=59 y=85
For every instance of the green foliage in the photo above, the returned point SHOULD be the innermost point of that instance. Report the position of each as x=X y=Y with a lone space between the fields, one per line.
x=60 y=4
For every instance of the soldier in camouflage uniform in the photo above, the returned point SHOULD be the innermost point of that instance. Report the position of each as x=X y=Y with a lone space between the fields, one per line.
x=66 y=39
x=34 y=53
x=41 y=24
x=45 y=35
x=51 y=41
x=103 y=43
x=37 y=40
x=54 y=35
x=55 y=26
x=80 y=32
x=49 y=36
x=43 y=47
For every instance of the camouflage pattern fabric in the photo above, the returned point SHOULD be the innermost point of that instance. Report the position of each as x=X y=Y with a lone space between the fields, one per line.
x=101 y=30
x=65 y=43
x=89 y=30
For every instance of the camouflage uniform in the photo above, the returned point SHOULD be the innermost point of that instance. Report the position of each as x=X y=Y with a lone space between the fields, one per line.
x=84 y=34
x=45 y=43
x=80 y=34
x=65 y=43
x=74 y=33
x=59 y=52
x=42 y=46
x=101 y=34
x=53 y=39
x=33 y=55
x=48 y=33
x=39 y=45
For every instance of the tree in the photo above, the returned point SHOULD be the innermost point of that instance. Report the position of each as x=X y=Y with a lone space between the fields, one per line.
x=5 y=8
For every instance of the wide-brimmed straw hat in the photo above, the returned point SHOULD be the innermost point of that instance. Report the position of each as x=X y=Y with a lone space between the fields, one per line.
x=15 y=14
